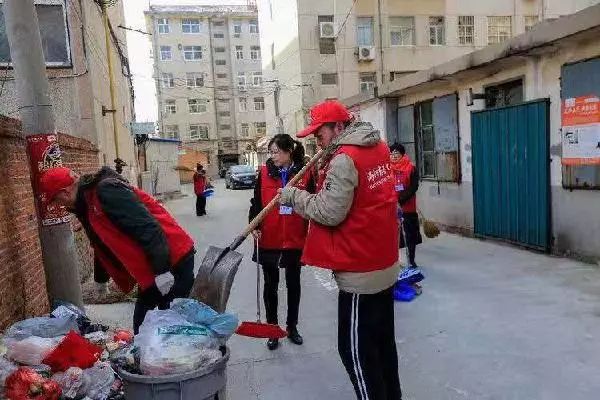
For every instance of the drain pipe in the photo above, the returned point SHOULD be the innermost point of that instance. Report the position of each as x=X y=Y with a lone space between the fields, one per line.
x=380 y=40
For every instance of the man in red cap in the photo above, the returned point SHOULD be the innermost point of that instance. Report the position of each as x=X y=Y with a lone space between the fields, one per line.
x=353 y=231
x=135 y=239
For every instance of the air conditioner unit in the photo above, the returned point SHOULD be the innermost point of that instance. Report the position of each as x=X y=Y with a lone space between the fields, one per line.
x=327 y=30
x=366 y=53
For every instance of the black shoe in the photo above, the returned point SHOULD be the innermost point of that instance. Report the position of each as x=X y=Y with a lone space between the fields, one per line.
x=272 y=344
x=294 y=336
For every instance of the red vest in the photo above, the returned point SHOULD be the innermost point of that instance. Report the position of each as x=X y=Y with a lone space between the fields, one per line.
x=280 y=232
x=137 y=269
x=199 y=184
x=367 y=240
x=402 y=171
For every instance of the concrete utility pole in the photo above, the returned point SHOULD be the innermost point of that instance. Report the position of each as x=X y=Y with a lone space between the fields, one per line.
x=58 y=246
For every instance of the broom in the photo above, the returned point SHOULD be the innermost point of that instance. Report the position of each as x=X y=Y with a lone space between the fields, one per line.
x=429 y=228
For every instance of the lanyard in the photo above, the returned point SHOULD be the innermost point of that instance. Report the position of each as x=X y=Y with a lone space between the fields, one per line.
x=283 y=172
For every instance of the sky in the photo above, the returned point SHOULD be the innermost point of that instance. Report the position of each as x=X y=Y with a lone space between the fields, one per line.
x=138 y=47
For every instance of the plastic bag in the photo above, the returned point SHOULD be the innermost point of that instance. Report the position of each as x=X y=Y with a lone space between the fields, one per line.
x=73 y=351
x=169 y=344
x=222 y=325
x=43 y=327
x=26 y=384
x=101 y=377
x=6 y=368
x=31 y=350
x=73 y=382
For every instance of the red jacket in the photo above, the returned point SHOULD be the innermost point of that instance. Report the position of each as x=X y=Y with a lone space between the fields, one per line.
x=199 y=184
x=280 y=232
x=367 y=240
x=404 y=171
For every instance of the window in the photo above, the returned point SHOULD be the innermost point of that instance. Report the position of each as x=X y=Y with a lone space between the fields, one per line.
x=224 y=114
x=504 y=94
x=237 y=28
x=190 y=25
x=170 y=107
x=220 y=62
x=241 y=81
x=253 y=26
x=329 y=79
x=402 y=31
x=239 y=52
x=225 y=127
x=171 y=132
x=466 y=30
x=255 y=52
x=163 y=25
x=165 y=53
x=426 y=139
x=243 y=104
x=194 y=79
x=326 y=45
x=219 y=23
x=364 y=31
x=245 y=130
x=192 y=53
x=221 y=76
x=530 y=21
x=198 y=131
x=437 y=34
x=499 y=29
x=167 y=80
x=197 y=106
x=260 y=128
x=218 y=35
x=219 y=49
x=259 y=104
x=53 y=31
x=257 y=79
x=367 y=82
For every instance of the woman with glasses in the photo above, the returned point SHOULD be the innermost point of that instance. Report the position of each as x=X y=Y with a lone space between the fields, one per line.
x=281 y=235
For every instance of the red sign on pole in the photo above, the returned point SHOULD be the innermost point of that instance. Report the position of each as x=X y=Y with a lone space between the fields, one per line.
x=44 y=153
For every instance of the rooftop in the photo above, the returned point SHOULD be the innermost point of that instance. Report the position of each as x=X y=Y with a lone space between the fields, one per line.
x=201 y=9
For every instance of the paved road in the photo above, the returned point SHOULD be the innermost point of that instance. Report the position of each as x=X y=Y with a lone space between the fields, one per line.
x=494 y=322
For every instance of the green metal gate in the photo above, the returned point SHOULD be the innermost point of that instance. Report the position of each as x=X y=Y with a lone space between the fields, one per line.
x=511 y=186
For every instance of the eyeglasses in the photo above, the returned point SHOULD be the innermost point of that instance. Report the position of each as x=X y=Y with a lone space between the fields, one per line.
x=274 y=152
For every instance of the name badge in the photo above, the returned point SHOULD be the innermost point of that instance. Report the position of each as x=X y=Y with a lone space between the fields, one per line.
x=286 y=210
x=399 y=187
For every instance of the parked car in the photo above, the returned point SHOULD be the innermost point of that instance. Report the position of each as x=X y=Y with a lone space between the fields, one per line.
x=224 y=169
x=240 y=176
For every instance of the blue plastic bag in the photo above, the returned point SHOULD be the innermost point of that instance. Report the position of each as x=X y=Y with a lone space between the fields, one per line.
x=222 y=325
x=404 y=292
x=410 y=276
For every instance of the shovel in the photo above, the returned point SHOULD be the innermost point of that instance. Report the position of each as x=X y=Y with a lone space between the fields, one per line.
x=217 y=271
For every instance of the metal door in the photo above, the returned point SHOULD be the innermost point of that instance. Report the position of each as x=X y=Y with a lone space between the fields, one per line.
x=511 y=184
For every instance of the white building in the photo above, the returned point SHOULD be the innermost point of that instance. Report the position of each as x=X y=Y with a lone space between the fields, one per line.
x=207 y=62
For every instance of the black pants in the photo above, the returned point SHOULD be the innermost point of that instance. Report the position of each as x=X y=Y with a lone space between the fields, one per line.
x=410 y=231
x=367 y=344
x=151 y=298
x=270 y=266
x=200 y=205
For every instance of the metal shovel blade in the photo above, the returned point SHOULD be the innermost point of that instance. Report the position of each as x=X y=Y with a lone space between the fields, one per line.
x=215 y=277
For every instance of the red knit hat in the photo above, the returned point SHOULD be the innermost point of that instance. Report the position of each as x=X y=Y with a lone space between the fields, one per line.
x=54 y=180
x=322 y=113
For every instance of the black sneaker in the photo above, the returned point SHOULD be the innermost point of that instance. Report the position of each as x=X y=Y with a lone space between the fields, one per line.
x=272 y=344
x=294 y=336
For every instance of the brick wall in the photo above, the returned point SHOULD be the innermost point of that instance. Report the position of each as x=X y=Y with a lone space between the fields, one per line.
x=190 y=159
x=22 y=280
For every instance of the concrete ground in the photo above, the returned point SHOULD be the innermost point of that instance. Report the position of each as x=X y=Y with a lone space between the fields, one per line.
x=494 y=322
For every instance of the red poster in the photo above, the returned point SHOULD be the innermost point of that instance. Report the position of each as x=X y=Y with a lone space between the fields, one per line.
x=44 y=153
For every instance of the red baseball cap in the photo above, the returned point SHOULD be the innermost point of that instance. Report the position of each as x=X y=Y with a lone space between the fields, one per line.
x=322 y=113
x=54 y=180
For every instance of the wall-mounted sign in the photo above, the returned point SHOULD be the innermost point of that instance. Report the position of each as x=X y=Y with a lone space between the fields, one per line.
x=581 y=130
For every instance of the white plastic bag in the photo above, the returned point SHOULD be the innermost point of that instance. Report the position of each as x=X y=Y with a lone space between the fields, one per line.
x=101 y=377
x=169 y=344
x=6 y=368
x=44 y=327
x=31 y=350
x=73 y=382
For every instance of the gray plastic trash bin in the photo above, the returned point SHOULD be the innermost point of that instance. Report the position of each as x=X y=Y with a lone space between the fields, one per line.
x=204 y=384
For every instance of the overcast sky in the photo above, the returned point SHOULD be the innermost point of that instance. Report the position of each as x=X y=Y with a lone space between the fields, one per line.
x=138 y=46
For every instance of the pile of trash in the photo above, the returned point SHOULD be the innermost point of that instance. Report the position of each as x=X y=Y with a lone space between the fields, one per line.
x=63 y=356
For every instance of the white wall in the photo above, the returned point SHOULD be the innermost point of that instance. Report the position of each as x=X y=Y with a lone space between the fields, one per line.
x=162 y=157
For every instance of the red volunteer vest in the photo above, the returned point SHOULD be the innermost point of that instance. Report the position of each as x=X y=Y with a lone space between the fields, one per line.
x=137 y=269
x=367 y=240
x=199 y=184
x=402 y=171
x=280 y=232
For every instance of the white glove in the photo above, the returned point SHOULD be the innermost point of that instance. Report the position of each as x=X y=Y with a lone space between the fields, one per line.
x=164 y=283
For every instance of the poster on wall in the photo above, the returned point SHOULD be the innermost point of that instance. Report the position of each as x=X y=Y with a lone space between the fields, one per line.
x=581 y=130
x=44 y=153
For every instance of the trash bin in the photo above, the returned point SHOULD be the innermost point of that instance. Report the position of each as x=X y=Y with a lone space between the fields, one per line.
x=207 y=383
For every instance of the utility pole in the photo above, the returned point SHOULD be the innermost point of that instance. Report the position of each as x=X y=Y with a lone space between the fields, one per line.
x=58 y=246
x=276 y=94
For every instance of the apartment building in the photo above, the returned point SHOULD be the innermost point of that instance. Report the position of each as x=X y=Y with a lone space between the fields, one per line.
x=209 y=83
x=317 y=50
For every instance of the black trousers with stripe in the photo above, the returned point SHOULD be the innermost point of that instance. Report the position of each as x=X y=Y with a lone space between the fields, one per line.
x=367 y=344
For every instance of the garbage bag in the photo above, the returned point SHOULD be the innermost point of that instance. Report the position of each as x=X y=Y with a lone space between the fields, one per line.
x=404 y=292
x=73 y=382
x=169 y=344
x=44 y=327
x=101 y=377
x=73 y=351
x=31 y=350
x=6 y=368
x=26 y=384
x=222 y=325
x=63 y=309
